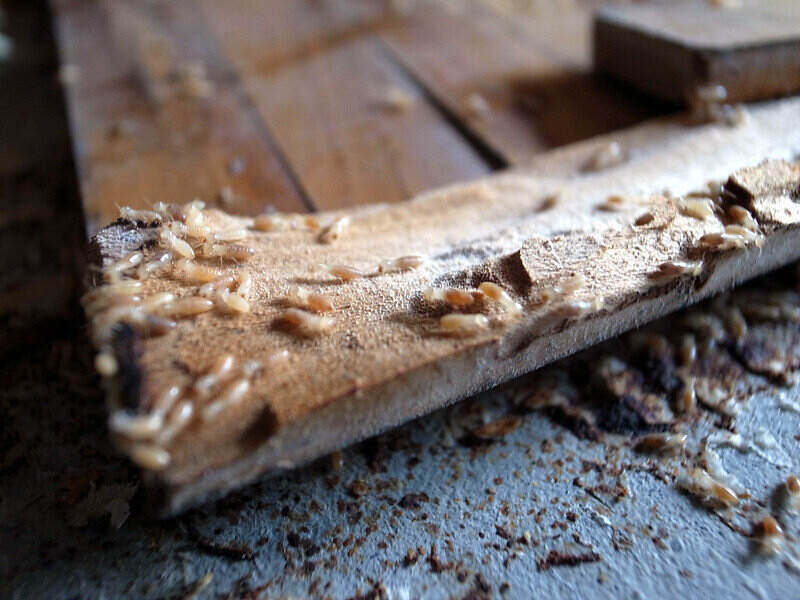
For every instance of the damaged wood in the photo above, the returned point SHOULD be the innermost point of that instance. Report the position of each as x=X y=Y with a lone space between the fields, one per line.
x=563 y=280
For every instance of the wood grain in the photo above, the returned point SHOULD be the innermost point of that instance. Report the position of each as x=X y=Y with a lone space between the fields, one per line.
x=386 y=360
x=138 y=137
x=675 y=51
x=331 y=110
x=522 y=85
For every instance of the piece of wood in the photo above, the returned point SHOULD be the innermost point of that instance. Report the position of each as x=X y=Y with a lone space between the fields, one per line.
x=676 y=51
x=143 y=128
x=386 y=359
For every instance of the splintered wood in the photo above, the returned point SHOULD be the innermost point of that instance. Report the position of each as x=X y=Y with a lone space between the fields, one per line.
x=256 y=351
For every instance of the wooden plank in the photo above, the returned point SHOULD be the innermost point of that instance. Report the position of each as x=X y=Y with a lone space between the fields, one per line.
x=579 y=273
x=142 y=131
x=261 y=36
x=331 y=110
x=522 y=86
x=752 y=52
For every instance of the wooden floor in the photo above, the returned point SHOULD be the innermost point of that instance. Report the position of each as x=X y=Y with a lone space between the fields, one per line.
x=321 y=104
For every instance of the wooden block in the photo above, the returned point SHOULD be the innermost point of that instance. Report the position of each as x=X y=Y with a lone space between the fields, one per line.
x=585 y=254
x=677 y=50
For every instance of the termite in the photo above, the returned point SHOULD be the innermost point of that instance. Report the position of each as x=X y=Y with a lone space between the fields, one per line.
x=499 y=295
x=343 y=272
x=212 y=287
x=696 y=208
x=737 y=324
x=403 y=263
x=154 y=266
x=792 y=487
x=135 y=427
x=140 y=216
x=234 y=252
x=308 y=299
x=169 y=211
x=231 y=394
x=190 y=272
x=661 y=442
x=334 y=231
x=149 y=456
x=232 y=302
x=770 y=535
x=244 y=285
x=463 y=325
x=230 y=235
x=220 y=370
x=743 y=217
x=671 y=270
x=105 y=364
x=186 y=307
x=176 y=421
x=113 y=271
x=453 y=297
x=605 y=157
x=176 y=244
x=307 y=323
x=612 y=203
x=688 y=350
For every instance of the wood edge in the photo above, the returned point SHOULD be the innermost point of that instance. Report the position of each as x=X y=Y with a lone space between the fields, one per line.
x=423 y=385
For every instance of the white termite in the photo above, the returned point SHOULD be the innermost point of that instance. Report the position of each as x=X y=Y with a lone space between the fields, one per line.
x=334 y=231
x=233 y=393
x=307 y=323
x=457 y=324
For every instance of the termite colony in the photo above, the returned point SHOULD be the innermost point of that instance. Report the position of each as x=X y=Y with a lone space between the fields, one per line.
x=305 y=315
x=740 y=227
x=488 y=296
x=182 y=235
x=224 y=384
x=711 y=329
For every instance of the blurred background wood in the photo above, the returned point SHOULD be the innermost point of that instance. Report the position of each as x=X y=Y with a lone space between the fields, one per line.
x=320 y=105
